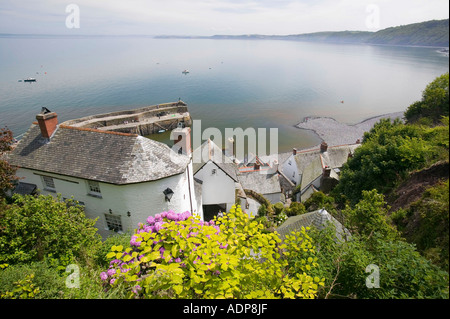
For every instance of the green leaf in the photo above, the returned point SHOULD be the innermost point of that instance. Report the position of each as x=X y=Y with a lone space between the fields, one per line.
x=111 y=255
x=178 y=289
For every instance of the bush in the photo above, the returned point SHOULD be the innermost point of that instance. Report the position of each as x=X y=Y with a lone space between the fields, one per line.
x=278 y=208
x=33 y=228
x=179 y=256
x=295 y=209
x=32 y=276
x=434 y=102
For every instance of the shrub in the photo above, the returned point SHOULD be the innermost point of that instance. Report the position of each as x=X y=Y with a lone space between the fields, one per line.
x=179 y=256
x=295 y=209
x=32 y=228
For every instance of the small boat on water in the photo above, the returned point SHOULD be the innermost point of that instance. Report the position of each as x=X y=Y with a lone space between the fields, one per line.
x=185 y=71
x=30 y=80
x=161 y=131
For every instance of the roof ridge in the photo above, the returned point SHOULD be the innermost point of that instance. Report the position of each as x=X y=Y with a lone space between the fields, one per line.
x=97 y=130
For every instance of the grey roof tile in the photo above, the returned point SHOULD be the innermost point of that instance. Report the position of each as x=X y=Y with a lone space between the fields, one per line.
x=109 y=157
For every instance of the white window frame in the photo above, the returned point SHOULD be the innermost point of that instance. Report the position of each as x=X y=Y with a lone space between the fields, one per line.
x=94 y=189
x=49 y=183
x=113 y=223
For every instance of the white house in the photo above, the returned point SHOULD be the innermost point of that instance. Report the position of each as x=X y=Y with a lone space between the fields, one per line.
x=120 y=178
x=316 y=168
x=217 y=175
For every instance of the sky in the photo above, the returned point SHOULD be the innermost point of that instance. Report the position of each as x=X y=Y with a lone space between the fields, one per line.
x=210 y=17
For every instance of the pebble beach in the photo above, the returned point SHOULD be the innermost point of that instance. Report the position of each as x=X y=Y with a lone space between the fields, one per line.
x=336 y=133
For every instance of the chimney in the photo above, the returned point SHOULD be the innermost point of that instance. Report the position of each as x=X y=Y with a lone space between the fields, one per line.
x=358 y=141
x=229 y=147
x=182 y=140
x=257 y=166
x=323 y=147
x=294 y=151
x=274 y=167
x=326 y=172
x=47 y=121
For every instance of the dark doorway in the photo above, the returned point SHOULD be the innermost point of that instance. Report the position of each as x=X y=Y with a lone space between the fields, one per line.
x=209 y=211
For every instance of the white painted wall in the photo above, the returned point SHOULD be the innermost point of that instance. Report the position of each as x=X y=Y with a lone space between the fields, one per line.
x=217 y=188
x=141 y=199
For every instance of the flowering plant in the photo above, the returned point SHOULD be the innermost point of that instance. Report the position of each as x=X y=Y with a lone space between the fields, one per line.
x=179 y=256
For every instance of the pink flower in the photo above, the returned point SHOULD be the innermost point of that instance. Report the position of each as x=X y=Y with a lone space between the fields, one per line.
x=111 y=272
x=104 y=276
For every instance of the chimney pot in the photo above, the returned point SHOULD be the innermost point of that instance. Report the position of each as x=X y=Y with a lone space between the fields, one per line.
x=47 y=121
x=326 y=171
x=294 y=151
x=323 y=147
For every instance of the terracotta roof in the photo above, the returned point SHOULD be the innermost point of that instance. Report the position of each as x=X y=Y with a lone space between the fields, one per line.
x=110 y=157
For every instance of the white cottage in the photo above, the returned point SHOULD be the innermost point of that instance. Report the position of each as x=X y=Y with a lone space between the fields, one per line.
x=216 y=175
x=120 y=178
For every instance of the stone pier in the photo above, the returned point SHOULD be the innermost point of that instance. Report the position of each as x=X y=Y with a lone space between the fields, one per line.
x=142 y=121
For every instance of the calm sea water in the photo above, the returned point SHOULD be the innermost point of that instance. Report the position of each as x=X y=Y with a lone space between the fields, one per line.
x=232 y=83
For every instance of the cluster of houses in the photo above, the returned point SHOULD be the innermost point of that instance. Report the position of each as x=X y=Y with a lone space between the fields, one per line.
x=122 y=178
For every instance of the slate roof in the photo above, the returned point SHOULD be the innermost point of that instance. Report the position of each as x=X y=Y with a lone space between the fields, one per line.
x=319 y=219
x=260 y=182
x=335 y=156
x=109 y=157
x=209 y=151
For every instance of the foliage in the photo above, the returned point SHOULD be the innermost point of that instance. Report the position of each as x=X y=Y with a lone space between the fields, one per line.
x=389 y=151
x=179 y=256
x=105 y=248
x=34 y=228
x=370 y=215
x=319 y=200
x=295 y=208
x=426 y=224
x=7 y=172
x=434 y=103
x=24 y=289
x=403 y=272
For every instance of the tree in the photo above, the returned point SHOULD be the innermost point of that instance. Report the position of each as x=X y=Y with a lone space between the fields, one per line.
x=35 y=228
x=434 y=103
x=7 y=172
x=370 y=215
x=389 y=151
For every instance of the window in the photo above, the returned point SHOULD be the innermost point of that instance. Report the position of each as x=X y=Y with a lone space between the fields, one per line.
x=49 y=183
x=94 y=189
x=114 y=222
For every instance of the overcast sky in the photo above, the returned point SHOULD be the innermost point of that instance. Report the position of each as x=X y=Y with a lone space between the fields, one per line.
x=209 y=17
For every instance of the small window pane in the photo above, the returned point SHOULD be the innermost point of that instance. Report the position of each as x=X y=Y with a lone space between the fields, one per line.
x=94 y=187
x=113 y=222
x=49 y=182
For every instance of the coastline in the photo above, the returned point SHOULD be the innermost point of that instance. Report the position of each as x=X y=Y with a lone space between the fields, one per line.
x=336 y=133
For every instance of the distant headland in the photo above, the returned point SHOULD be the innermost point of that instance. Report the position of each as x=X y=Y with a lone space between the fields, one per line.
x=434 y=33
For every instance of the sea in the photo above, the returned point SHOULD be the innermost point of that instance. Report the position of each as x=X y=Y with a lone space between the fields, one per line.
x=231 y=83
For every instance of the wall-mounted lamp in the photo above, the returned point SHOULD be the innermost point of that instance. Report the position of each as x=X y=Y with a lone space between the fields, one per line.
x=168 y=193
x=110 y=211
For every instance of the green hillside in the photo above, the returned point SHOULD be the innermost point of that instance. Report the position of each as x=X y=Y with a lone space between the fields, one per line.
x=430 y=33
